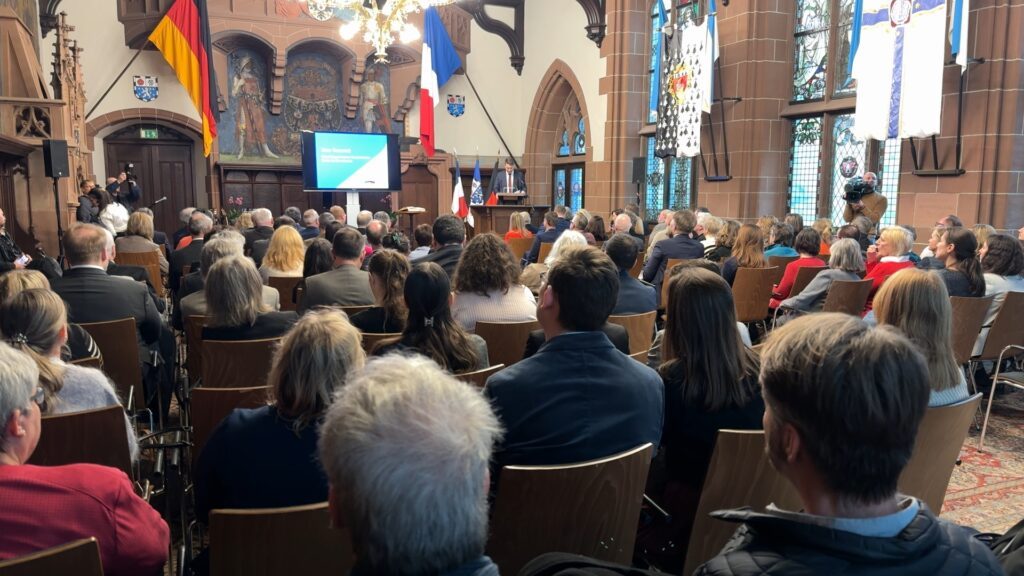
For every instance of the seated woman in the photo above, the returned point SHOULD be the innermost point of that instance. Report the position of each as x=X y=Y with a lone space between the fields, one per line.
x=388 y=270
x=34 y=321
x=535 y=274
x=112 y=214
x=487 y=285
x=808 y=243
x=1002 y=260
x=80 y=345
x=724 y=241
x=266 y=457
x=234 y=304
x=285 y=255
x=397 y=240
x=747 y=252
x=780 y=241
x=138 y=238
x=710 y=384
x=430 y=329
x=579 y=223
x=318 y=259
x=886 y=257
x=823 y=226
x=597 y=229
x=916 y=302
x=982 y=232
x=957 y=248
x=517 y=222
x=844 y=264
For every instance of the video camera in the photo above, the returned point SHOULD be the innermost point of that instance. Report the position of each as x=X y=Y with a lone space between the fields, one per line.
x=129 y=171
x=855 y=189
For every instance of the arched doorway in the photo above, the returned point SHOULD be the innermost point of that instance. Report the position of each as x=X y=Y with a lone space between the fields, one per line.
x=162 y=159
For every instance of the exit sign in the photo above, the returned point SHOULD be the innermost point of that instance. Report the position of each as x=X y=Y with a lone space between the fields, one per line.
x=148 y=133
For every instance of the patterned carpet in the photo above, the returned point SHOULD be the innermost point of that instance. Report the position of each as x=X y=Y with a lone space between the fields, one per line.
x=987 y=491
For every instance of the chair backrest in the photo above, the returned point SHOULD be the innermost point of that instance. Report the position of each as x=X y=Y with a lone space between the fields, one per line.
x=273 y=541
x=739 y=475
x=285 y=286
x=211 y=405
x=351 y=311
x=194 y=347
x=90 y=362
x=847 y=296
x=640 y=328
x=1007 y=328
x=138 y=258
x=590 y=508
x=939 y=439
x=479 y=377
x=371 y=340
x=519 y=246
x=638 y=266
x=298 y=293
x=237 y=364
x=803 y=277
x=545 y=249
x=506 y=341
x=78 y=558
x=780 y=262
x=119 y=344
x=97 y=436
x=751 y=291
x=968 y=316
x=669 y=265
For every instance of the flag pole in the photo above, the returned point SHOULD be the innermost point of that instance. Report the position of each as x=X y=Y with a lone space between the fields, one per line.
x=123 y=70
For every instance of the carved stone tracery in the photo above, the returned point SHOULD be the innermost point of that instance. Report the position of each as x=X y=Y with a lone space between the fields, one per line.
x=32 y=122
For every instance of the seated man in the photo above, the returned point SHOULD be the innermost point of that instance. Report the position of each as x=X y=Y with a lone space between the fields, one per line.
x=217 y=248
x=678 y=245
x=635 y=296
x=47 y=506
x=310 y=225
x=548 y=235
x=346 y=285
x=199 y=225
x=449 y=235
x=424 y=236
x=577 y=398
x=390 y=467
x=263 y=228
x=843 y=403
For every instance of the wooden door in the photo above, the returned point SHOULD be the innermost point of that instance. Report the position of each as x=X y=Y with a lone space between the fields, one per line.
x=419 y=188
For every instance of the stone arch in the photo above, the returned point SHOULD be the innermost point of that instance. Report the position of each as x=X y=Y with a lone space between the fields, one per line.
x=558 y=84
x=133 y=115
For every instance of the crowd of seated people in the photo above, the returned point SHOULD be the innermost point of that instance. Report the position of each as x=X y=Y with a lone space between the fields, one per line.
x=369 y=430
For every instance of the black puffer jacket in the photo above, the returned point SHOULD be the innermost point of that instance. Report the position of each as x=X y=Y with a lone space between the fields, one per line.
x=769 y=544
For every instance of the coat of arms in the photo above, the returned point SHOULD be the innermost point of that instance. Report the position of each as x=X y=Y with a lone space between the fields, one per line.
x=145 y=88
x=456 y=105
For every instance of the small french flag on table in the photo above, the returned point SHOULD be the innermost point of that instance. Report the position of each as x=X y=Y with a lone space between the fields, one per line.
x=438 y=64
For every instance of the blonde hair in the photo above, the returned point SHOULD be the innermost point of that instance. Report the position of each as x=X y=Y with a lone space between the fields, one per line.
x=31 y=321
x=245 y=221
x=982 y=232
x=312 y=363
x=824 y=228
x=899 y=238
x=16 y=281
x=140 y=224
x=286 y=250
x=517 y=221
x=713 y=225
x=765 y=223
x=234 y=292
x=916 y=302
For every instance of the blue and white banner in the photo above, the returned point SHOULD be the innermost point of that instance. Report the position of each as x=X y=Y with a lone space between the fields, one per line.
x=145 y=88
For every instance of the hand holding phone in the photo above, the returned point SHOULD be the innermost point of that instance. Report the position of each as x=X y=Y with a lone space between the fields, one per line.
x=22 y=261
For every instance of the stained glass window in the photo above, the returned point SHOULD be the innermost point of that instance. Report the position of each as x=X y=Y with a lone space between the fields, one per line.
x=804 y=167
x=580 y=139
x=848 y=156
x=668 y=183
x=653 y=82
x=575 y=189
x=889 y=175
x=821 y=49
x=845 y=85
x=559 y=181
x=563 y=146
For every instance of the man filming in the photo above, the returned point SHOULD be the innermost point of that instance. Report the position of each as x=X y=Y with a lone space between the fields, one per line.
x=124 y=188
x=862 y=200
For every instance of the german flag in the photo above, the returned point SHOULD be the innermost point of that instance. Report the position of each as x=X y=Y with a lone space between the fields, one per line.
x=183 y=37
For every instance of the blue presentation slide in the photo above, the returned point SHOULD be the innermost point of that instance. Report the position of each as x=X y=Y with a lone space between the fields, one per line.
x=346 y=161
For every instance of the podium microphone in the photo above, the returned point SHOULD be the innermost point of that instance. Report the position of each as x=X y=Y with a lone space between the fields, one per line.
x=163 y=199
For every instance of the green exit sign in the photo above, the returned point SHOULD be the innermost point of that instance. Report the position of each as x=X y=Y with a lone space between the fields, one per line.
x=148 y=133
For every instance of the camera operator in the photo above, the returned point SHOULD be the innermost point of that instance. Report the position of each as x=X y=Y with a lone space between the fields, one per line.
x=124 y=188
x=862 y=200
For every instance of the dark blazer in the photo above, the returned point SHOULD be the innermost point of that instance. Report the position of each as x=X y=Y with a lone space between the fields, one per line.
x=576 y=399
x=543 y=236
x=160 y=239
x=446 y=257
x=618 y=336
x=259 y=250
x=139 y=274
x=190 y=283
x=678 y=246
x=499 y=181
x=635 y=296
x=92 y=295
x=267 y=325
x=177 y=236
x=344 y=286
x=376 y=321
x=309 y=232
x=259 y=233
x=187 y=256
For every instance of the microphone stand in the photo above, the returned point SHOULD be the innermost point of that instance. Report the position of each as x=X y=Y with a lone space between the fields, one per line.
x=60 y=226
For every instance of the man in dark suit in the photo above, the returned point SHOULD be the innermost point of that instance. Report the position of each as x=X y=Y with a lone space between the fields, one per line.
x=548 y=235
x=263 y=228
x=677 y=245
x=577 y=398
x=508 y=182
x=449 y=235
x=199 y=225
x=617 y=335
x=310 y=225
x=346 y=285
x=635 y=296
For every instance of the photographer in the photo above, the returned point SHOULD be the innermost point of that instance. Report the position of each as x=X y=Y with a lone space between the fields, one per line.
x=124 y=188
x=862 y=200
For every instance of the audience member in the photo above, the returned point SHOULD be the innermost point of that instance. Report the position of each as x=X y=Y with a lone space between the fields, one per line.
x=845 y=264
x=244 y=223
x=199 y=225
x=193 y=281
x=887 y=257
x=865 y=226
x=430 y=329
x=283 y=220
x=325 y=219
x=112 y=214
x=852 y=232
x=781 y=242
x=80 y=345
x=487 y=285
x=384 y=218
x=533 y=275
x=263 y=228
x=332 y=229
x=549 y=235
x=1002 y=260
x=397 y=240
x=318 y=259
x=663 y=218
x=623 y=224
x=795 y=221
x=159 y=238
x=823 y=226
x=957 y=248
x=764 y=224
x=84 y=500
x=597 y=229
x=310 y=225
x=338 y=213
x=577 y=398
x=196 y=304
x=747 y=252
x=912 y=232
x=266 y=457
x=388 y=270
x=424 y=236
x=807 y=245
x=842 y=406
x=389 y=459
x=375 y=231
x=712 y=228
x=635 y=296
x=982 y=232
x=579 y=224
x=285 y=255
x=449 y=236
x=234 y=304
x=346 y=284
x=562 y=221
x=362 y=219
x=917 y=303
x=928 y=260
x=138 y=238
x=950 y=221
x=724 y=242
x=517 y=226
x=679 y=245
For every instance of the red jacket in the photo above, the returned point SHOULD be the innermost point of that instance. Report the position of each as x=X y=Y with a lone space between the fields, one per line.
x=878 y=271
x=782 y=291
x=42 y=507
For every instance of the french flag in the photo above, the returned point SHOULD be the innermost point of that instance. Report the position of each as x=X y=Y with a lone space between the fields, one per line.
x=438 y=64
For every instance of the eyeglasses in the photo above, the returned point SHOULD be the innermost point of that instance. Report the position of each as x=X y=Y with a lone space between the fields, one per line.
x=39 y=397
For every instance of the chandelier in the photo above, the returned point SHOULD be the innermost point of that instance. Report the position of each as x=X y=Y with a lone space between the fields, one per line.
x=381 y=21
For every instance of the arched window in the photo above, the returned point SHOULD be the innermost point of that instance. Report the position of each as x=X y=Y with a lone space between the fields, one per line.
x=571 y=122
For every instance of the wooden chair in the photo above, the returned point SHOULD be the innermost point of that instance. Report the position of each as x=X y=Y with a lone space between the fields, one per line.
x=519 y=246
x=506 y=341
x=95 y=436
x=780 y=262
x=285 y=286
x=638 y=266
x=751 y=291
x=847 y=296
x=803 y=277
x=78 y=558
x=968 y=316
x=119 y=344
x=1005 y=340
x=194 y=347
x=275 y=541
x=148 y=260
x=669 y=265
x=590 y=508
x=739 y=475
x=545 y=249
x=237 y=364
x=479 y=377
x=939 y=439
x=353 y=310
x=211 y=405
x=640 y=328
x=370 y=340
x=96 y=363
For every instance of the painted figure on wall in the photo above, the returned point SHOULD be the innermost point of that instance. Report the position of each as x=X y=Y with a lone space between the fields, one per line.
x=373 y=104
x=250 y=128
